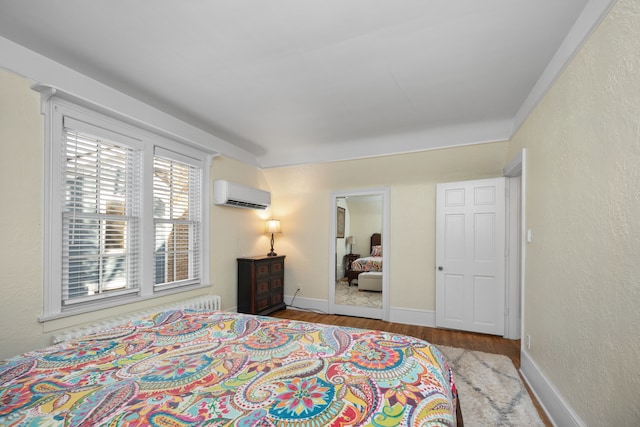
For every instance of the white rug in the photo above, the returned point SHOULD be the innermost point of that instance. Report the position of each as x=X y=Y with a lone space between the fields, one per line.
x=350 y=295
x=490 y=390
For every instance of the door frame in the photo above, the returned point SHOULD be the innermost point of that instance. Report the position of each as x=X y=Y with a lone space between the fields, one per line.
x=386 y=237
x=516 y=246
x=516 y=243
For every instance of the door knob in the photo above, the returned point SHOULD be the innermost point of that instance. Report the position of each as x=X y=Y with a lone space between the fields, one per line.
x=440 y=268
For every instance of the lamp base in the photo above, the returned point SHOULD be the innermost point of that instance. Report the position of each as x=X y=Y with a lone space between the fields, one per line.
x=272 y=253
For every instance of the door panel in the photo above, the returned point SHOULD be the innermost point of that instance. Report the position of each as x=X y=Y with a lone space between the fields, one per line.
x=484 y=300
x=455 y=237
x=470 y=255
x=484 y=239
x=454 y=292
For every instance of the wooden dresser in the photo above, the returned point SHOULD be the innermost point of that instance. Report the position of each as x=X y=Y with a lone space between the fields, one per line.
x=261 y=284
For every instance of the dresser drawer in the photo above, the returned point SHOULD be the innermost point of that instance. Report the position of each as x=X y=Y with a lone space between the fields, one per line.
x=277 y=267
x=276 y=283
x=262 y=286
x=263 y=303
x=276 y=299
x=263 y=269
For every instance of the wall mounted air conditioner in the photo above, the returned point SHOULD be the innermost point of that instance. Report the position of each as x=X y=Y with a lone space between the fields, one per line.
x=238 y=196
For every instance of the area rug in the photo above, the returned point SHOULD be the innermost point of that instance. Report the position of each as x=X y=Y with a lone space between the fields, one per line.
x=350 y=295
x=490 y=390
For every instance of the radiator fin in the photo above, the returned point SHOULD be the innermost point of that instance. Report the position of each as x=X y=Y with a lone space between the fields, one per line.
x=205 y=303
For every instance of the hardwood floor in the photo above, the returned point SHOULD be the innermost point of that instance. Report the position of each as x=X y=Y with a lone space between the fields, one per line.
x=468 y=340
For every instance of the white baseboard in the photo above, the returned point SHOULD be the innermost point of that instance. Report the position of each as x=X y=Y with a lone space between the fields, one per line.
x=556 y=407
x=407 y=316
x=307 y=304
x=410 y=316
x=301 y=304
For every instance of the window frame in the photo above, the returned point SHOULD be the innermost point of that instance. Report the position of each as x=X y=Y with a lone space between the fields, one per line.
x=55 y=107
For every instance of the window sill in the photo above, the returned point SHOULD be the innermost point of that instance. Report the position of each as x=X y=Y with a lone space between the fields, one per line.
x=74 y=316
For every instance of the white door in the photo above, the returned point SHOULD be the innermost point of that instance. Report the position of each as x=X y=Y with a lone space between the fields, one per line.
x=470 y=255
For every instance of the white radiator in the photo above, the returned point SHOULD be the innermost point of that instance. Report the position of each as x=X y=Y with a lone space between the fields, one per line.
x=205 y=302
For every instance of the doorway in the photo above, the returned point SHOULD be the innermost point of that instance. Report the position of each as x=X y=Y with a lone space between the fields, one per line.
x=515 y=246
x=356 y=216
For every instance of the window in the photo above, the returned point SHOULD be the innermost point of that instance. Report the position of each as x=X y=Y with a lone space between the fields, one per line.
x=107 y=181
x=176 y=219
x=100 y=217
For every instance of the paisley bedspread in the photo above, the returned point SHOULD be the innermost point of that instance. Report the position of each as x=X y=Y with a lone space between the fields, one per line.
x=370 y=263
x=192 y=368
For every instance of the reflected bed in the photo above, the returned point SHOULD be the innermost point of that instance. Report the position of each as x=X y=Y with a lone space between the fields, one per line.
x=373 y=262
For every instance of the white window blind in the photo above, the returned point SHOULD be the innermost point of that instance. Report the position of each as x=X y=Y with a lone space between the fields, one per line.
x=100 y=218
x=177 y=219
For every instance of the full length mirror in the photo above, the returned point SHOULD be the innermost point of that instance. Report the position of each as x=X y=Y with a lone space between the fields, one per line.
x=358 y=281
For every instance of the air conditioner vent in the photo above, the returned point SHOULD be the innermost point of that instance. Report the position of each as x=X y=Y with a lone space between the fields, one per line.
x=241 y=204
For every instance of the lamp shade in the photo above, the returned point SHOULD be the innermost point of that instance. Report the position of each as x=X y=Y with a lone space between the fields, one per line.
x=351 y=240
x=273 y=226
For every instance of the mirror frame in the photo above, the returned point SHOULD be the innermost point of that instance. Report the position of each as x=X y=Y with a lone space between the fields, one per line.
x=386 y=237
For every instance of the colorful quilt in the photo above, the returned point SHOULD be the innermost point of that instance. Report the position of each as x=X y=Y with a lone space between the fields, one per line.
x=190 y=368
x=370 y=263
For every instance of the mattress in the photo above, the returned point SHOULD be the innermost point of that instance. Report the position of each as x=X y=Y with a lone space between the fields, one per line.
x=194 y=368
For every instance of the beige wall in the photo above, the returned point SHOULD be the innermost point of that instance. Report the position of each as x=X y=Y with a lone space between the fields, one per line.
x=583 y=206
x=301 y=196
x=365 y=219
x=21 y=201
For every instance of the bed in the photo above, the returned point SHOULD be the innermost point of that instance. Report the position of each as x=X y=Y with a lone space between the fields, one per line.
x=372 y=262
x=191 y=368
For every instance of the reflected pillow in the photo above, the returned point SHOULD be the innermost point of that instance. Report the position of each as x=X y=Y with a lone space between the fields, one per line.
x=376 y=250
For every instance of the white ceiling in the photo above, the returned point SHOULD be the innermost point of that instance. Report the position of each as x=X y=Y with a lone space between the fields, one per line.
x=297 y=81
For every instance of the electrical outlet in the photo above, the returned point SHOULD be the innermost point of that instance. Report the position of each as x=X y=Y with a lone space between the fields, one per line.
x=528 y=342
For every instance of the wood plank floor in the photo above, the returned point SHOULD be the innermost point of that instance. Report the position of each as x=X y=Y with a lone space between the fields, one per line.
x=460 y=339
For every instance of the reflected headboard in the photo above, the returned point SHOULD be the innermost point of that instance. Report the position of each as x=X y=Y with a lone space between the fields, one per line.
x=376 y=240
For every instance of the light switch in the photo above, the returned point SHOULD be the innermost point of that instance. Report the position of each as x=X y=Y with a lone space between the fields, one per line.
x=529 y=236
